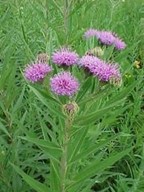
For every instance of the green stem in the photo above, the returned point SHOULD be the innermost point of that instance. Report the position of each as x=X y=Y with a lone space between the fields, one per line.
x=66 y=15
x=46 y=28
x=25 y=39
x=64 y=165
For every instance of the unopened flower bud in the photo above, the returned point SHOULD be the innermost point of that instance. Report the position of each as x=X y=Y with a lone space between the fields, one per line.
x=116 y=81
x=42 y=58
x=71 y=109
x=97 y=51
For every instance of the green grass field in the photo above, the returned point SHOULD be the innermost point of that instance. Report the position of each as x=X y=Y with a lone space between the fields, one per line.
x=105 y=152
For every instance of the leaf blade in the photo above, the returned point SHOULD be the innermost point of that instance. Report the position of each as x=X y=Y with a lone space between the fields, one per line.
x=39 y=187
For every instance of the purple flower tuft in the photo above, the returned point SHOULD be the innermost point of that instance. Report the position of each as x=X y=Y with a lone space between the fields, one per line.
x=65 y=57
x=106 y=71
x=64 y=84
x=106 y=37
x=36 y=72
x=90 y=33
x=97 y=67
x=89 y=61
x=119 y=44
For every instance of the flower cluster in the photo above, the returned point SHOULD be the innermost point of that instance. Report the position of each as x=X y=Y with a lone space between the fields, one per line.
x=106 y=37
x=64 y=83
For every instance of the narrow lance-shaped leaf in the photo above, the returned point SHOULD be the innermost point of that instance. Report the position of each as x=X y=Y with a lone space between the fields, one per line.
x=122 y=94
x=84 y=88
x=19 y=100
x=97 y=167
x=91 y=118
x=54 y=176
x=4 y=129
x=78 y=141
x=50 y=105
x=92 y=149
x=51 y=148
x=114 y=101
x=39 y=187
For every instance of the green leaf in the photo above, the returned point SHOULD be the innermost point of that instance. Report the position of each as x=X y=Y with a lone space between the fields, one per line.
x=77 y=143
x=57 y=6
x=53 y=150
x=39 y=187
x=45 y=94
x=97 y=167
x=112 y=102
x=43 y=97
x=83 y=89
x=4 y=129
x=108 y=51
x=122 y=94
x=93 y=117
x=92 y=149
x=19 y=101
x=95 y=96
x=54 y=176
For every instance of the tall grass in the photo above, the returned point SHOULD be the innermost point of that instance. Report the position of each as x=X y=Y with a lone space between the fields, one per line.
x=30 y=27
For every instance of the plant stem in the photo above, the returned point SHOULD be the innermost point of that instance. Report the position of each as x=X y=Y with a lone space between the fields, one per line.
x=64 y=165
x=46 y=28
x=25 y=38
x=66 y=15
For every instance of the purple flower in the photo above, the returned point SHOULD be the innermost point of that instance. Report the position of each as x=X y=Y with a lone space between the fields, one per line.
x=64 y=84
x=119 y=44
x=106 y=71
x=99 y=68
x=36 y=71
x=89 y=61
x=65 y=57
x=109 y=38
x=106 y=37
x=90 y=33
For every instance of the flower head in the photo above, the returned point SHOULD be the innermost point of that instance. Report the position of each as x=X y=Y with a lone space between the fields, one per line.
x=64 y=84
x=105 y=37
x=91 y=64
x=106 y=71
x=36 y=72
x=88 y=61
x=90 y=33
x=65 y=57
x=119 y=44
x=99 y=68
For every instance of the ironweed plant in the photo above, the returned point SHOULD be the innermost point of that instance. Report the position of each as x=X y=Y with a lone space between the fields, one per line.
x=77 y=105
x=71 y=119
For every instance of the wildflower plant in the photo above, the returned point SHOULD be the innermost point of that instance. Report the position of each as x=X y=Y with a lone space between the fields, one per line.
x=76 y=99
